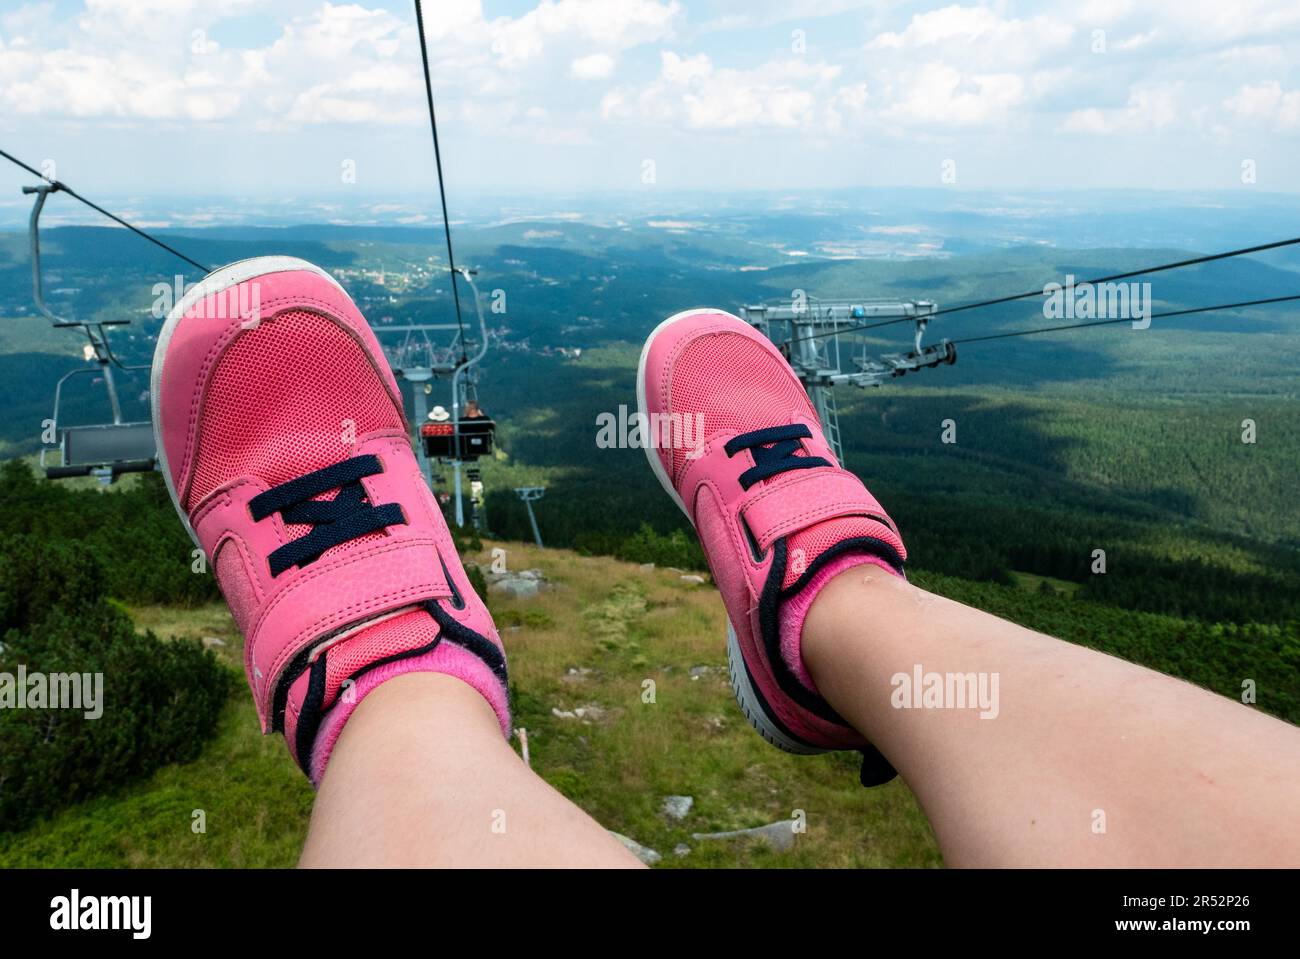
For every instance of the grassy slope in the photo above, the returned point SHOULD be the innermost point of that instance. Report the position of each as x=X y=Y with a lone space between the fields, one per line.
x=621 y=625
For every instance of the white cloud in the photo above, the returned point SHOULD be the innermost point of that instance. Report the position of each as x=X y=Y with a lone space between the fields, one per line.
x=979 y=37
x=766 y=13
x=151 y=60
x=372 y=76
x=609 y=24
x=595 y=66
x=1188 y=22
x=937 y=93
x=1149 y=108
x=1168 y=64
x=692 y=91
x=1138 y=40
x=573 y=78
x=1267 y=103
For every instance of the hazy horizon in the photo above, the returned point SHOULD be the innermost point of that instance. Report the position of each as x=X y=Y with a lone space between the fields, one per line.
x=538 y=97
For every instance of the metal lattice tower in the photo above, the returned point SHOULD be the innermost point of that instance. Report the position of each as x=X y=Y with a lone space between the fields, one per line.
x=815 y=336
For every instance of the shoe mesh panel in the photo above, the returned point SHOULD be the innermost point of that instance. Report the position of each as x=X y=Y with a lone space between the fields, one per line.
x=736 y=384
x=739 y=386
x=401 y=634
x=805 y=546
x=278 y=403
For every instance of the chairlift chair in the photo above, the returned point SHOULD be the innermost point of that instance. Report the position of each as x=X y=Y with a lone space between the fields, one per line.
x=105 y=450
x=419 y=360
x=476 y=439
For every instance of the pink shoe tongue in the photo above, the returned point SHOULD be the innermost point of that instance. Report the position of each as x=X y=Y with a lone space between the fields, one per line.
x=804 y=547
x=403 y=633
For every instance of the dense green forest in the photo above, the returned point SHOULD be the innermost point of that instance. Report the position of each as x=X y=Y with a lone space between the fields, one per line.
x=1122 y=441
x=1193 y=522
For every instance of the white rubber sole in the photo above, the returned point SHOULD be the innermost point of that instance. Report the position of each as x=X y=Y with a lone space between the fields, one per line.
x=227 y=276
x=751 y=703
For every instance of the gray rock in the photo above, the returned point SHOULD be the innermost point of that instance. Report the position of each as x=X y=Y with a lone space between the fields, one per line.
x=692 y=578
x=644 y=853
x=516 y=586
x=779 y=835
x=587 y=714
x=681 y=849
x=521 y=584
x=677 y=807
x=212 y=642
x=647 y=567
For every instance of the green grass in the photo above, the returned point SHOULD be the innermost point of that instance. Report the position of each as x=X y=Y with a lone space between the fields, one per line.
x=602 y=633
x=255 y=804
x=1035 y=583
x=254 y=801
x=624 y=625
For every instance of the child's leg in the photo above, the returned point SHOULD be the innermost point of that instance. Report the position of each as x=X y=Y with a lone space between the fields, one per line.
x=422 y=777
x=1089 y=760
x=1181 y=776
x=365 y=643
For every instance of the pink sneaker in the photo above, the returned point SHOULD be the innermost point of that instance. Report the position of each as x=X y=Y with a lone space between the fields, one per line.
x=777 y=516
x=283 y=442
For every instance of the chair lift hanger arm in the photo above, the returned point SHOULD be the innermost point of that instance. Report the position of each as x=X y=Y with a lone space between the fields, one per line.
x=61 y=186
x=105 y=450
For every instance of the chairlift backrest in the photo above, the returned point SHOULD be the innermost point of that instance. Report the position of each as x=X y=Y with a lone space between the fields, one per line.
x=476 y=439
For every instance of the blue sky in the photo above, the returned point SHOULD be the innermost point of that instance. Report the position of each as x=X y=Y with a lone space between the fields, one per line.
x=282 y=98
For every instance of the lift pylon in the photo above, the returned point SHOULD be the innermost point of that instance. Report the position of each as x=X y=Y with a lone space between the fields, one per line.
x=530 y=495
x=814 y=335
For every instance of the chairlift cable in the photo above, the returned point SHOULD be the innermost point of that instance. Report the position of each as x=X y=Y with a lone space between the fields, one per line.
x=442 y=192
x=63 y=187
x=1126 y=319
x=1039 y=292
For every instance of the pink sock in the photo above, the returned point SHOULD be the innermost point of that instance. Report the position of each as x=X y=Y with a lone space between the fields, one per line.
x=410 y=630
x=794 y=610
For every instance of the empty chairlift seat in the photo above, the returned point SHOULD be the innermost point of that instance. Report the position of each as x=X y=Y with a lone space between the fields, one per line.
x=113 y=448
